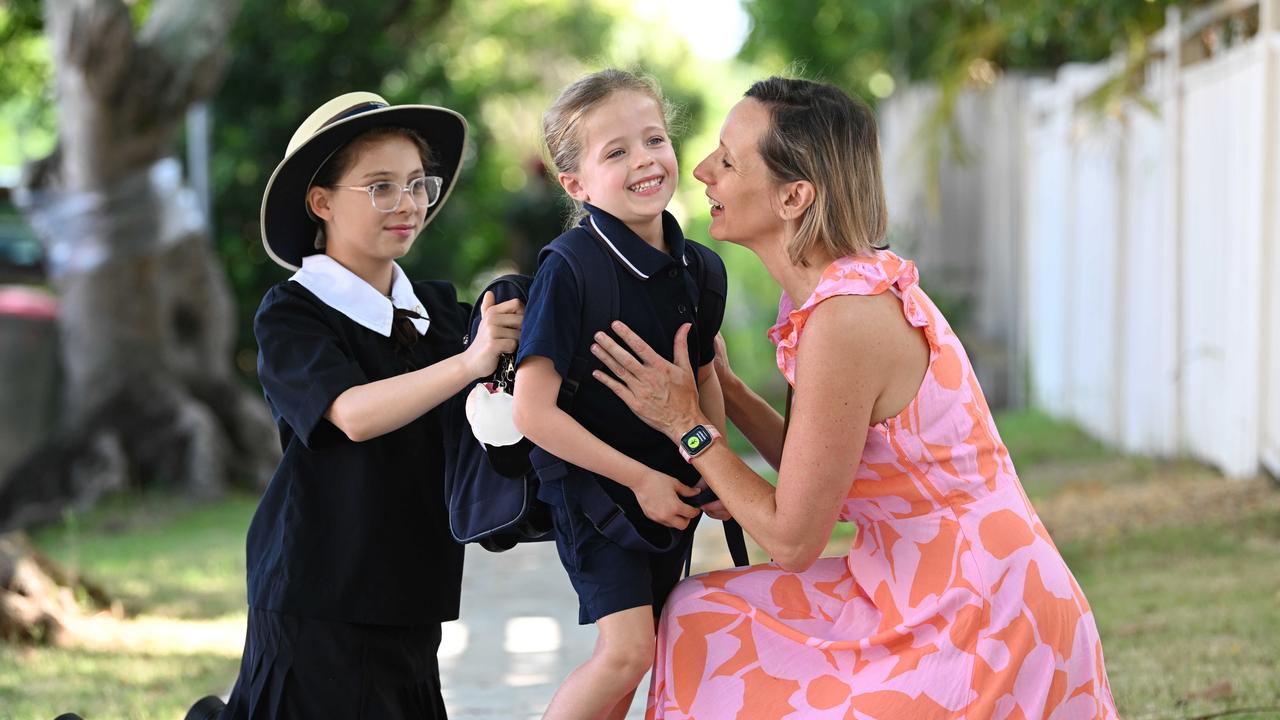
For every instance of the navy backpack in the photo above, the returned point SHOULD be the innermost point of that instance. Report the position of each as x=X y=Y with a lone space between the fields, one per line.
x=492 y=492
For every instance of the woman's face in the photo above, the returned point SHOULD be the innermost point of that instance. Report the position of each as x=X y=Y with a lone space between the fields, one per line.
x=739 y=185
x=355 y=229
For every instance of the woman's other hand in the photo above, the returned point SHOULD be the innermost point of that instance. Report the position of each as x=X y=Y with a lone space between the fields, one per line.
x=662 y=394
x=721 y=362
x=497 y=333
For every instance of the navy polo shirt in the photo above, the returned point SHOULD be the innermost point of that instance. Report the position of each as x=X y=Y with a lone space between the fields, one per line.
x=655 y=297
x=346 y=531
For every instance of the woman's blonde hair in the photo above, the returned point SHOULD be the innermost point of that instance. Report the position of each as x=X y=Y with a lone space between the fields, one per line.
x=561 y=122
x=819 y=134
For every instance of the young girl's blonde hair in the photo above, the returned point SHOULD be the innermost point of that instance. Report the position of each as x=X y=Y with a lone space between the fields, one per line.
x=561 y=122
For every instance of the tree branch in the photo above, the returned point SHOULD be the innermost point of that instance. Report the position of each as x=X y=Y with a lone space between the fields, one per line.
x=95 y=37
x=189 y=40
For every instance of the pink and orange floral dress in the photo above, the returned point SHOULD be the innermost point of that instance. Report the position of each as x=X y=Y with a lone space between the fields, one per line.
x=952 y=602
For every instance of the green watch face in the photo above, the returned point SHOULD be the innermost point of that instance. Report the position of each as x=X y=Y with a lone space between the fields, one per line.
x=695 y=439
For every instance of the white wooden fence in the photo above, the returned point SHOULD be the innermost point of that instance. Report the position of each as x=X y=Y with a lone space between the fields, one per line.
x=1123 y=266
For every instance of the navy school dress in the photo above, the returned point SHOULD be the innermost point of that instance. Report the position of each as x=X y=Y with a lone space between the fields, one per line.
x=351 y=567
x=655 y=297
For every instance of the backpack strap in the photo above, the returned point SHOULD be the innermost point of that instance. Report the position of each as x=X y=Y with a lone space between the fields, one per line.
x=712 y=286
x=593 y=272
x=737 y=543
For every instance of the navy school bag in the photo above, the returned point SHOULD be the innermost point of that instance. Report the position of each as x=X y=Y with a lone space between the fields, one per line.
x=492 y=491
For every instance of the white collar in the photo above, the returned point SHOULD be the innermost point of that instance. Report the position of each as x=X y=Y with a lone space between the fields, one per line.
x=349 y=294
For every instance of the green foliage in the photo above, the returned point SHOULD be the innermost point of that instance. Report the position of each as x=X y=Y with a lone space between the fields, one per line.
x=870 y=47
x=850 y=42
x=498 y=63
x=26 y=114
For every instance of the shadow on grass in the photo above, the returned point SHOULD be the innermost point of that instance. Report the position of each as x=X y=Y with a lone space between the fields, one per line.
x=100 y=685
x=178 y=569
x=159 y=555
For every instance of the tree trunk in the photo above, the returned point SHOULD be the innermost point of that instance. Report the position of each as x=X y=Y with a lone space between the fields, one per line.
x=38 y=599
x=146 y=323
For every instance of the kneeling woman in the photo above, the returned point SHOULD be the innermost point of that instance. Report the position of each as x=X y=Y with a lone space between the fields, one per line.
x=351 y=567
x=952 y=602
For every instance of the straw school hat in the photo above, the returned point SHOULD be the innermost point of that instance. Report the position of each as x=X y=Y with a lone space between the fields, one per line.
x=288 y=230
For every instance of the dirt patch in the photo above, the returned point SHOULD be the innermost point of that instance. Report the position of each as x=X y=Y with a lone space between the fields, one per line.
x=1098 y=504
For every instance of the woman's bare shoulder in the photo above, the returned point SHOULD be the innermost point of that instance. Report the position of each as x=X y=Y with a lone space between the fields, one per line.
x=862 y=321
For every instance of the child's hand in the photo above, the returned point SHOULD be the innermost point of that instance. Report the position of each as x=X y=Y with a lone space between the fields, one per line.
x=714 y=509
x=497 y=333
x=659 y=495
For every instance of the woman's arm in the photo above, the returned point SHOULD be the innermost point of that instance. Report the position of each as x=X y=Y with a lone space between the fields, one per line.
x=711 y=402
x=842 y=367
x=552 y=429
x=756 y=418
x=838 y=378
x=367 y=411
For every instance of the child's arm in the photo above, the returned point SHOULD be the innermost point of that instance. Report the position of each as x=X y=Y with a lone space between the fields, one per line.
x=542 y=421
x=367 y=411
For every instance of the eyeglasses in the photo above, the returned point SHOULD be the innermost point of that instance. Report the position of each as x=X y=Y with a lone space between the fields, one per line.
x=386 y=195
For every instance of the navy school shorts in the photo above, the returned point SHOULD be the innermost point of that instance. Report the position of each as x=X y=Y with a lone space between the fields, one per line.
x=609 y=578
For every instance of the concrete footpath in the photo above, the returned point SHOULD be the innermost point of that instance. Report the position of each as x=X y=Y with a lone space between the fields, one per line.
x=518 y=636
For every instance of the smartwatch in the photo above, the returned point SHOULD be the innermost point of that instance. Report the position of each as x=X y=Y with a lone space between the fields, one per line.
x=697 y=440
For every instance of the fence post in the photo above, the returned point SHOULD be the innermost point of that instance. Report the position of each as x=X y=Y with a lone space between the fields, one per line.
x=198 y=152
x=1268 y=417
x=1171 y=111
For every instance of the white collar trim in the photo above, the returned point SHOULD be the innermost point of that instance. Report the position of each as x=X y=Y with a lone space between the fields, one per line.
x=618 y=253
x=349 y=294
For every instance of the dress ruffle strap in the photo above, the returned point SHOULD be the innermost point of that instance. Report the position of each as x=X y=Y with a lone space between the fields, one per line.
x=850 y=275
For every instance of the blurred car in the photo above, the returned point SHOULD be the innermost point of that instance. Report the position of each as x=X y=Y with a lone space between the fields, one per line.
x=21 y=255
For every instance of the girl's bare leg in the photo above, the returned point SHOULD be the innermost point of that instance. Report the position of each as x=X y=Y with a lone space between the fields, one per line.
x=605 y=683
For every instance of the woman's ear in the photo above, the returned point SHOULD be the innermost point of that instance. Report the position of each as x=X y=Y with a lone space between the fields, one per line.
x=318 y=202
x=573 y=186
x=795 y=198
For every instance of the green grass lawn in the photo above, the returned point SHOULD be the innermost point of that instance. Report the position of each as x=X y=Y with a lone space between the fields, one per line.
x=1185 y=589
x=1181 y=567
x=179 y=573
x=1189 y=616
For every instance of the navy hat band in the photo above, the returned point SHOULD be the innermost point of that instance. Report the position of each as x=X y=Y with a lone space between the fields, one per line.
x=350 y=112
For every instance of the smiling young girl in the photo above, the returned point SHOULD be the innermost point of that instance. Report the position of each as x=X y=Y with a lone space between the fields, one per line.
x=351 y=567
x=607 y=135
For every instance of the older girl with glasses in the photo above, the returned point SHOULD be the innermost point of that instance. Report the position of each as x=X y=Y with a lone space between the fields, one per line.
x=351 y=567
